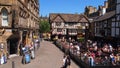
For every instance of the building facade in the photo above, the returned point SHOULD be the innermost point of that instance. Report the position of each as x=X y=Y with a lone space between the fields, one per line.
x=111 y=5
x=107 y=26
x=118 y=20
x=90 y=10
x=19 y=21
x=95 y=15
x=104 y=27
x=106 y=23
x=68 y=25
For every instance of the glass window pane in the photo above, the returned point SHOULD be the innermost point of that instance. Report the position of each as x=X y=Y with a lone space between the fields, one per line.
x=113 y=32
x=117 y=31
x=4 y=17
x=113 y=24
x=117 y=24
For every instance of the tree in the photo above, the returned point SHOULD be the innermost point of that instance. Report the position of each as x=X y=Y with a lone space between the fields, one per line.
x=44 y=27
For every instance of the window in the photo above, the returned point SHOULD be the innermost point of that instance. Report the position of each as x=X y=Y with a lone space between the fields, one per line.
x=117 y=17
x=59 y=30
x=118 y=9
x=96 y=24
x=100 y=24
x=109 y=24
x=117 y=31
x=71 y=24
x=74 y=31
x=80 y=31
x=108 y=32
x=105 y=24
x=117 y=24
x=113 y=19
x=118 y=1
x=83 y=24
x=113 y=24
x=4 y=17
x=58 y=23
x=113 y=32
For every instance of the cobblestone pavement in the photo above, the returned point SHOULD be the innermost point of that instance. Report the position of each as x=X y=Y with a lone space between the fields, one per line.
x=47 y=56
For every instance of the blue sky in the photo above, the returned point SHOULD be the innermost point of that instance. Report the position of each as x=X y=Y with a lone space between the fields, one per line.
x=66 y=6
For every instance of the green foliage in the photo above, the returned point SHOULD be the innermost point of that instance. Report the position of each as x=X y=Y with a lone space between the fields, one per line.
x=44 y=27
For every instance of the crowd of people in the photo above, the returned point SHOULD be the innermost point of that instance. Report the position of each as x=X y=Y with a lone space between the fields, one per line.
x=28 y=51
x=101 y=55
x=93 y=54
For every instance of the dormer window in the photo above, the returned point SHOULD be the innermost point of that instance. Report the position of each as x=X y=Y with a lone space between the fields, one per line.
x=4 y=17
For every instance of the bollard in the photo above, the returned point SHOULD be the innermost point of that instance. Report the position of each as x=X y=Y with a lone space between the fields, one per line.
x=13 y=64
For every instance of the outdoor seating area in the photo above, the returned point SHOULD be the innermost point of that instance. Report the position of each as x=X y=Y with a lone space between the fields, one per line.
x=91 y=54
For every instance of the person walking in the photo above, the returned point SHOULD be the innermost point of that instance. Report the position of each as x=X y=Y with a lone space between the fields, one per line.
x=66 y=61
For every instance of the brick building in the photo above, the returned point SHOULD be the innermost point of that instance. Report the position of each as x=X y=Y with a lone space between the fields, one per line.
x=19 y=21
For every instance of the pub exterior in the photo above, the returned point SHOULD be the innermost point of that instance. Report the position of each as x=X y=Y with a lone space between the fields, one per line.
x=105 y=28
x=68 y=25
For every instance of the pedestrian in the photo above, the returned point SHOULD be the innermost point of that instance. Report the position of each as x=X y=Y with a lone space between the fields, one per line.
x=64 y=65
x=112 y=58
x=32 y=51
x=66 y=61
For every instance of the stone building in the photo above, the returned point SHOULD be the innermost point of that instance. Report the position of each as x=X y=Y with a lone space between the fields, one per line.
x=19 y=23
x=90 y=10
x=68 y=25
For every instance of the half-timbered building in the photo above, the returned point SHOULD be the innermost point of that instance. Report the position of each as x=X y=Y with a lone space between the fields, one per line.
x=68 y=25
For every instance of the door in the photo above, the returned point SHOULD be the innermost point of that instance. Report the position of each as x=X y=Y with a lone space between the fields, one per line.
x=13 y=46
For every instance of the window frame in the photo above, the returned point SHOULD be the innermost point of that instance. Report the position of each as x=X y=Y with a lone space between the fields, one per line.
x=4 y=15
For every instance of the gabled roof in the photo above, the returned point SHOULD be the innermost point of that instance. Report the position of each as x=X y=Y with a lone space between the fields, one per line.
x=105 y=16
x=69 y=17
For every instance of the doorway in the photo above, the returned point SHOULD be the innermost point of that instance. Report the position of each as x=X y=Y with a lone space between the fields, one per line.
x=13 y=45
